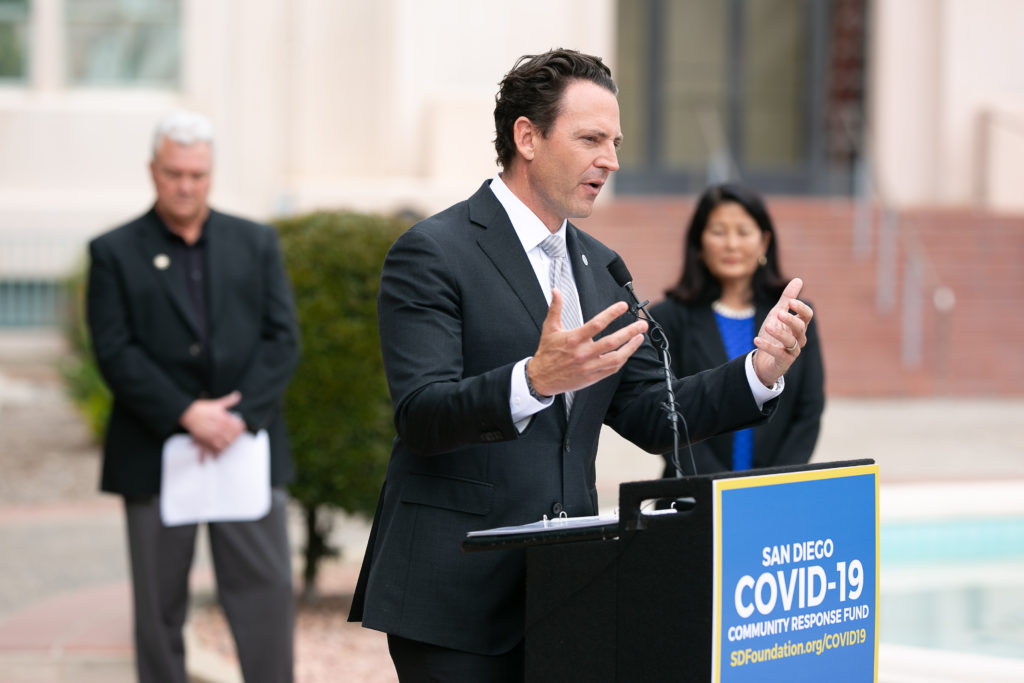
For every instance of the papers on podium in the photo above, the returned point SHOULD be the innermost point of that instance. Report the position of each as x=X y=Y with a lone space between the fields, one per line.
x=550 y=525
x=555 y=530
x=232 y=487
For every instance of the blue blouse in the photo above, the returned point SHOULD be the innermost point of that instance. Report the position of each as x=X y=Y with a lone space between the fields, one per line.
x=738 y=337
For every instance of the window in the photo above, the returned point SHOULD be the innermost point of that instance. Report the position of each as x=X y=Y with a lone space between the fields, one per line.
x=767 y=91
x=123 y=42
x=13 y=39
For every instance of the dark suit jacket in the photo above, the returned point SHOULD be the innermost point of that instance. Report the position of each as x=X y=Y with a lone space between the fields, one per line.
x=146 y=340
x=789 y=437
x=459 y=305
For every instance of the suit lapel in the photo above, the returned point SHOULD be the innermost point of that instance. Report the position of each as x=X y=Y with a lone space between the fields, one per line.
x=586 y=290
x=500 y=243
x=167 y=270
x=503 y=247
x=707 y=340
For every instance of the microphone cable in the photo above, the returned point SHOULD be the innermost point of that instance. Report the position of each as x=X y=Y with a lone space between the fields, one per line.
x=660 y=341
x=620 y=273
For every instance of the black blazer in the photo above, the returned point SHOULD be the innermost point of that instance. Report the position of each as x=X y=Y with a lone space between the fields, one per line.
x=459 y=305
x=789 y=437
x=146 y=340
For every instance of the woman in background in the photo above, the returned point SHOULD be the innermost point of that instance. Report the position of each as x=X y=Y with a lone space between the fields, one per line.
x=729 y=283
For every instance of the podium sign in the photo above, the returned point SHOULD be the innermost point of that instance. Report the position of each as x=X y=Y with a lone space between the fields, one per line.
x=795 y=576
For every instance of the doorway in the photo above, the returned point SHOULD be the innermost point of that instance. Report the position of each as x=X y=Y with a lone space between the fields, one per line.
x=768 y=92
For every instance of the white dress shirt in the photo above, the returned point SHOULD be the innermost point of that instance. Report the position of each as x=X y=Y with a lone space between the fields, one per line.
x=531 y=232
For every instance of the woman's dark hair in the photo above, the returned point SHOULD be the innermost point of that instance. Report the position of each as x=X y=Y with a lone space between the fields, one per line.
x=534 y=87
x=696 y=283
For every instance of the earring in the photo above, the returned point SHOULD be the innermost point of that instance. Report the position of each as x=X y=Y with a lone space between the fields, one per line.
x=762 y=260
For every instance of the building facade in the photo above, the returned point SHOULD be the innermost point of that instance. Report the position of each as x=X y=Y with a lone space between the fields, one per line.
x=385 y=105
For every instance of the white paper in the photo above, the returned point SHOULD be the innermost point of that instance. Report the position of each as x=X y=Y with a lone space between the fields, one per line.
x=234 y=486
x=553 y=524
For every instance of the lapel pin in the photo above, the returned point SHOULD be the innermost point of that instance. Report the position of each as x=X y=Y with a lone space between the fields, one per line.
x=161 y=261
x=585 y=261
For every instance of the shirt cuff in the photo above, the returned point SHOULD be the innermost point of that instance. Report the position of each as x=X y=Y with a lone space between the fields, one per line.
x=521 y=404
x=762 y=394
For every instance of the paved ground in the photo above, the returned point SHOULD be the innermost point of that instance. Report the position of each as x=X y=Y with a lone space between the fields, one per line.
x=64 y=595
x=64 y=590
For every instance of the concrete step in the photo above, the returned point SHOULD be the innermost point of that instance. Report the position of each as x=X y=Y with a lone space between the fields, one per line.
x=976 y=349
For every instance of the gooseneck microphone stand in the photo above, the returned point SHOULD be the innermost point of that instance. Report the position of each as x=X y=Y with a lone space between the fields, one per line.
x=658 y=337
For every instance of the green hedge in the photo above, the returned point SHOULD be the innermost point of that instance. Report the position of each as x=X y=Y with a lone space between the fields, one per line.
x=337 y=405
x=85 y=385
x=338 y=409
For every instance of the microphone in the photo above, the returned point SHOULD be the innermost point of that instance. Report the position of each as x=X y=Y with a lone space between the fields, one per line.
x=620 y=273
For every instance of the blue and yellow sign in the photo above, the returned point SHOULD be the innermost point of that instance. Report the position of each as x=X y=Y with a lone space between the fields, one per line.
x=796 y=577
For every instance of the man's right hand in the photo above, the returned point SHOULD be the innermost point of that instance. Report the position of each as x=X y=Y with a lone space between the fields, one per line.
x=211 y=424
x=570 y=360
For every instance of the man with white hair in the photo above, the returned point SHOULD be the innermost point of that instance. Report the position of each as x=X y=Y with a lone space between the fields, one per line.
x=194 y=330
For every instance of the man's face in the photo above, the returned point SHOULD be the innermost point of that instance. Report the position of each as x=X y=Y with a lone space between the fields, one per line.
x=181 y=176
x=573 y=161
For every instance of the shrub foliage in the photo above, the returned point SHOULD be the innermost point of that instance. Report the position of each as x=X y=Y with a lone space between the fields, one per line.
x=85 y=385
x=337 y=405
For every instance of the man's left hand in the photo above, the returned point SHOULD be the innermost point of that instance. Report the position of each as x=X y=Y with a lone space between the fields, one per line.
x=212 y=425
x=782 y=335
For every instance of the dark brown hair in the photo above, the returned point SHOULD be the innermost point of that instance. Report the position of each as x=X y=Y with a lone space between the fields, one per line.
x=534 y=87
x=696 y=283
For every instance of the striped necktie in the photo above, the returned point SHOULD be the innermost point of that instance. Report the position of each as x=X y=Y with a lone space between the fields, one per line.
x=561 y=278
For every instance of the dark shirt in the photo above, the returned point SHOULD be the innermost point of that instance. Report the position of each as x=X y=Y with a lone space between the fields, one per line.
x=193 y=262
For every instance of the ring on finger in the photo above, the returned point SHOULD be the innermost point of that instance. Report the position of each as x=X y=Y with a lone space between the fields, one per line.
x=792 y=348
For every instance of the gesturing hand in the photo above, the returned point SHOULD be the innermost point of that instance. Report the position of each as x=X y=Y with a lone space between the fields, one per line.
x=211 y=424
x=569 y=360
x=782 y=335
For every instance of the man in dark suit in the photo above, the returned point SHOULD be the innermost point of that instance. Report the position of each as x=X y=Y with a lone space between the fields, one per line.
x=194 y=330
x=499 y=387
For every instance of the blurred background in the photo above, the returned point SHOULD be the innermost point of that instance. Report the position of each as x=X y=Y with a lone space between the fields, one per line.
x=892 y=133
x=887 y=136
